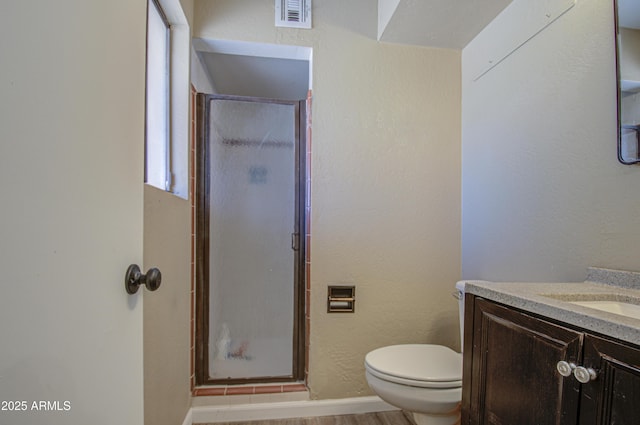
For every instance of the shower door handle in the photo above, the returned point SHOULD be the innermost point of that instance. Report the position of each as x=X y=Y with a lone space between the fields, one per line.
x=295 y=241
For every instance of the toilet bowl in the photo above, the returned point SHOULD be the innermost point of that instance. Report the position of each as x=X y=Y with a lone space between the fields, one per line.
x=423 y=379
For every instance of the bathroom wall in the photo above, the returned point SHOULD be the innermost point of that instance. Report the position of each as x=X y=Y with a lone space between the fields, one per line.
x=543 y=195
x=167 y=312
x=385 y=186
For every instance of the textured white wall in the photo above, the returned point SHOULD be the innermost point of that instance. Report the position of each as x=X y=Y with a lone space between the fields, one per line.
x=385 y=182
x=543 y=194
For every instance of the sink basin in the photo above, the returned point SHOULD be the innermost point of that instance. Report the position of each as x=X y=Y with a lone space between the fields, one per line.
x=616 y=307
x=624 y=305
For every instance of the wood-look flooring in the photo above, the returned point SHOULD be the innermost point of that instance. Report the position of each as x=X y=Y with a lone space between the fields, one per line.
x=378 y=418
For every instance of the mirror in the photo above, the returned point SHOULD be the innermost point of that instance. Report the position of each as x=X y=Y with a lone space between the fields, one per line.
x=628 y=67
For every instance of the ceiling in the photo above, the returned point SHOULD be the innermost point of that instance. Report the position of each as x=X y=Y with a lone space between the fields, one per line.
x=629 y=13
x=450 y=24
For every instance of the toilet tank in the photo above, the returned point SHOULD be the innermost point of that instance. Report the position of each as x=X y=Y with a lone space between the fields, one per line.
x=459 y=294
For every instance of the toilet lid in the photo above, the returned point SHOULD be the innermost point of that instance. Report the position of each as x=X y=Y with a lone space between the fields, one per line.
x=424 y=363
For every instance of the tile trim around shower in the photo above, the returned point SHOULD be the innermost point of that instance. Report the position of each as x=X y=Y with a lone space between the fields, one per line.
x=248 y=389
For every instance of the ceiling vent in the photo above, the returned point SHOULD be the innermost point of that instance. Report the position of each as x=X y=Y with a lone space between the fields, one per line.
x=293 y=13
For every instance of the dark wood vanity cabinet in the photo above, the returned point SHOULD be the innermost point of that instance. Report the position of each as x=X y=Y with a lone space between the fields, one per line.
x=510 y=375
x=614 y=396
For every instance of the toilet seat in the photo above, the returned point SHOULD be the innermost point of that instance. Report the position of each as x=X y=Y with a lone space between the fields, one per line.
x=416 y=365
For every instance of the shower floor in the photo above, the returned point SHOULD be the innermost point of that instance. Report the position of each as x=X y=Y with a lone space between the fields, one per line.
x=254 y=358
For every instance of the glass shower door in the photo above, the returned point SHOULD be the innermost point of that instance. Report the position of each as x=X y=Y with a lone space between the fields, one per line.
x=252 y=222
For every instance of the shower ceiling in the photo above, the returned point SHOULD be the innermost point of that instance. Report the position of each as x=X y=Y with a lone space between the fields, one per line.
x=242 y=75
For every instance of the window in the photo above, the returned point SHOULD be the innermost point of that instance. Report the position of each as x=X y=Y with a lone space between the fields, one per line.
x=157 y=125
x=168 y=94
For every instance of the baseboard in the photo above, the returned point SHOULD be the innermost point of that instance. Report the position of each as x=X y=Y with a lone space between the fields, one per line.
x=289 y=409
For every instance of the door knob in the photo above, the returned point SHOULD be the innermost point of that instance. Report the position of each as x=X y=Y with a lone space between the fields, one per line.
x=584 y=375
x=134 y=278
x=565 y=368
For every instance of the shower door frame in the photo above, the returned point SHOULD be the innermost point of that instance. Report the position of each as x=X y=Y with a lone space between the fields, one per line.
x=202 y=245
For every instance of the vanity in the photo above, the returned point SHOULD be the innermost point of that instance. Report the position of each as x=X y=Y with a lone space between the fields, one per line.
x=553 y=353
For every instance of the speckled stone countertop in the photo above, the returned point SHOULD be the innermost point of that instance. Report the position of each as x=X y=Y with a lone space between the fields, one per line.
x=551 y=300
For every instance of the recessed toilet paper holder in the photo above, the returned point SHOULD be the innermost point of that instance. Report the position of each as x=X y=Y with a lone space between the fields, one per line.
x=341 y=299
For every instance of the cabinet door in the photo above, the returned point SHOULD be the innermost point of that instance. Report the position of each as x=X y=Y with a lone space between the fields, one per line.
x=512 y=378
x=613 y=397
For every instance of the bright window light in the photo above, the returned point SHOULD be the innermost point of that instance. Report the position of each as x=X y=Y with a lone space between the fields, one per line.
x=157 y=134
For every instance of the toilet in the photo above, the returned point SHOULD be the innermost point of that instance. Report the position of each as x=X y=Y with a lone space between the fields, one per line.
x=423 y=379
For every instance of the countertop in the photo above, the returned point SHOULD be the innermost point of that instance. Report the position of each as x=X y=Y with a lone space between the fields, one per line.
x=550 y=300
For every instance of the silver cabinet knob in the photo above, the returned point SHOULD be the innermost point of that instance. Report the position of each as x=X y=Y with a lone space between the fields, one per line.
x=565 y=368
x=584 y=375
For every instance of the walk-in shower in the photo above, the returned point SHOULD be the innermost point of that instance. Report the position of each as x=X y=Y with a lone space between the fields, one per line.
x=249 y=253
